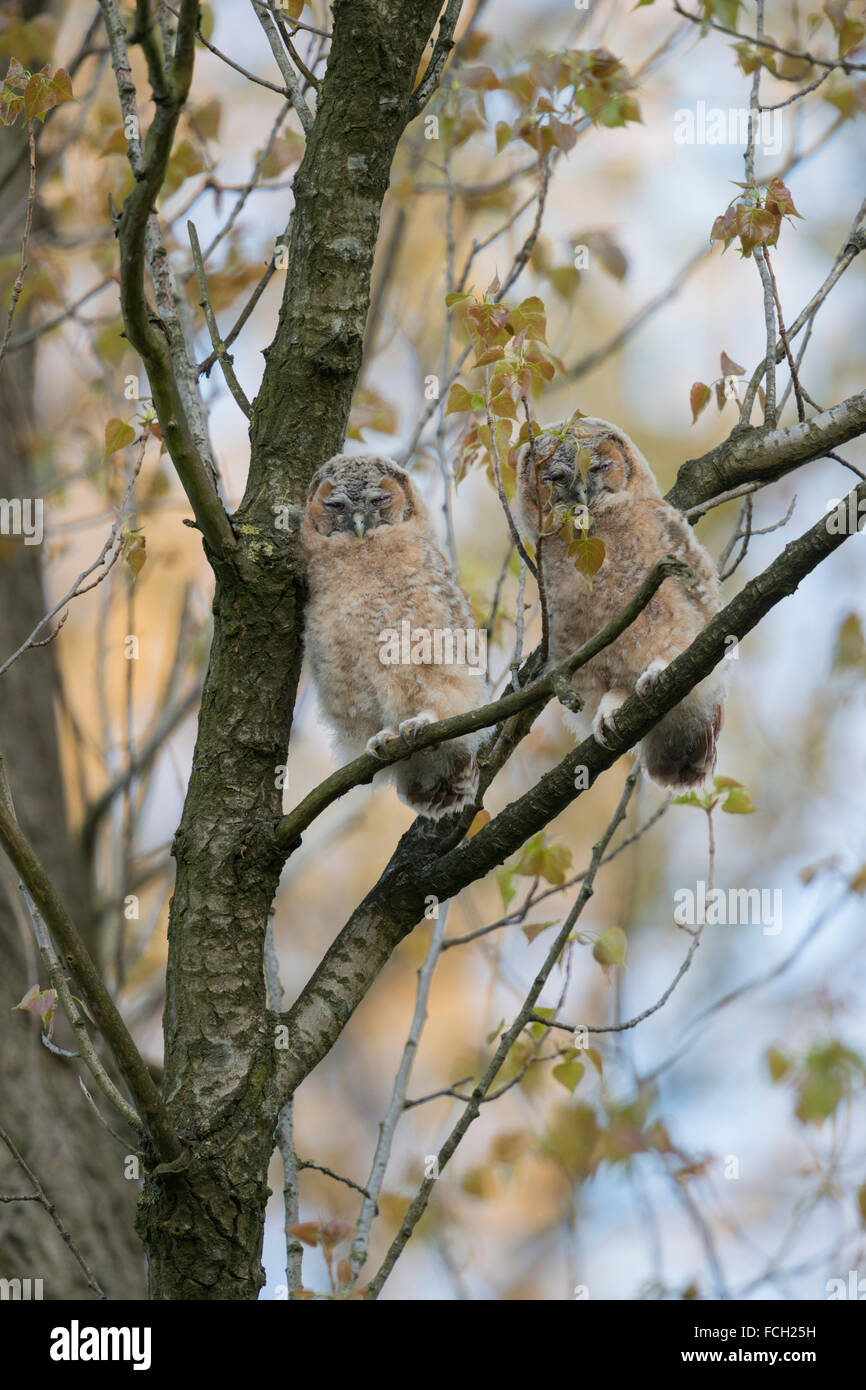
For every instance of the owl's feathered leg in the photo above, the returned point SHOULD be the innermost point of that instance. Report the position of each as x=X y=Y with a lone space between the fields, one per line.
x=680 y=752
x=439 y=781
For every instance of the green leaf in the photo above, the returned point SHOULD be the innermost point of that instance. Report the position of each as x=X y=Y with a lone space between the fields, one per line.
x=588 y=554
x=568 y=1074
x=61 y=86
x=530 y=317
x=494 y=1033
x=533 y=929
x=206 y=22
x=611 y=947
x=505 y=878
x=118 y=435
x=135 y=552
x=459 y=400
x=538 y=859
x=779 y=1063
x=849 y=652
x=738 y=802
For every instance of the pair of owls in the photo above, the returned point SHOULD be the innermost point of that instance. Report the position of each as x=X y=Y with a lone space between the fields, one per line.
x=373 y=565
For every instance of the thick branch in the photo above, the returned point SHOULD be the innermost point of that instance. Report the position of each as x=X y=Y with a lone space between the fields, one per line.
x=759 y=455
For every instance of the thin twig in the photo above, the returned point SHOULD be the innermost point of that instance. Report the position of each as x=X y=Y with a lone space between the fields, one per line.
x=105 y=560
x=42 y=1197
x=219 y=346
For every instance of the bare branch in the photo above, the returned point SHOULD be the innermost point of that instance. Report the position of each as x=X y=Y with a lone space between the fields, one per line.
x=293 y=86
x=41 y=1196
x=219 y=346
x=507 y=1040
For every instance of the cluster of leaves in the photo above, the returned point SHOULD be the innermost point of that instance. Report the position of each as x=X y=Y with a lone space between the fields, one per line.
x=848 y=32
x=826 y=1075
x=32 y=94
x=553 y=94
x=728 y=791
x=724 y=385
x=754 y=216
x=538 y=858
x=510 y=345
x=573 y=522
x=596 y=247
x=511 y=349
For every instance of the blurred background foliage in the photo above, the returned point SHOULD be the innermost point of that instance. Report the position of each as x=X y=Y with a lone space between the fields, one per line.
x=719 y=1146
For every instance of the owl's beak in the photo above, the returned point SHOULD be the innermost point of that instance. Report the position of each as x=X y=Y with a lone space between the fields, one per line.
x=359 y=524
x=578 y=490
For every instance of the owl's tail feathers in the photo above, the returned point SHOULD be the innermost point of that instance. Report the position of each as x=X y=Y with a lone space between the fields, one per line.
x=439 y=783
x=680 y=752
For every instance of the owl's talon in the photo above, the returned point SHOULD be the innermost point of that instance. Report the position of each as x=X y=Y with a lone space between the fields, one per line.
x=603 y=724
x=409 y=729
x=646 y=679
x=375 y=744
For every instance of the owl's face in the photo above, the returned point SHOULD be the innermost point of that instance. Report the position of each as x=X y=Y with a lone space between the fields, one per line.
x=551 y=472
x=358 y=494
x=591 y=462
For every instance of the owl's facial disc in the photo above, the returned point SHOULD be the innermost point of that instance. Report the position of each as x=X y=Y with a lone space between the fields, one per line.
x=362 y=509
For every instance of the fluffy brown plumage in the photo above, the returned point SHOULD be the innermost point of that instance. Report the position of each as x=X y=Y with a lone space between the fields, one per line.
x=372 y=564
x=638 y=527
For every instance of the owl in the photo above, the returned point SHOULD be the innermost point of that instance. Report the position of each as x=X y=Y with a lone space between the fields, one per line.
x=593 y=464
x=389 y=635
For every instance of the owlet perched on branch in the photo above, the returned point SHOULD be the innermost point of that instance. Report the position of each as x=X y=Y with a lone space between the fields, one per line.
x=389 y=634
x=637 y=527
